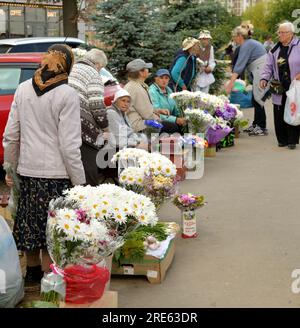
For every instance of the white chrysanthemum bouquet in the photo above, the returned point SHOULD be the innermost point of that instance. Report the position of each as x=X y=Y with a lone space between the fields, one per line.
x=151 y=174
x=198 y=120
x=87 y=225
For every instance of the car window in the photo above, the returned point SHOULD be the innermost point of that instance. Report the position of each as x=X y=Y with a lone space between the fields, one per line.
x=43 y=47
x=27 y=73
x=4 y=48
x=73 y=44
x=30 y=47
x=9 y=80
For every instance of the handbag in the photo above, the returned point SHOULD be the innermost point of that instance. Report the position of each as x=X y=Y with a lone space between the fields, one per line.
x=276 y=87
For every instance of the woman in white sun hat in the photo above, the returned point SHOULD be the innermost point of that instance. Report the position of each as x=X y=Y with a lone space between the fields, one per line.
x=205 y=63
x=183 y=68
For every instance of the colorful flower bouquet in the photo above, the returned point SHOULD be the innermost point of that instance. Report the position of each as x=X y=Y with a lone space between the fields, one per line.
x=217 y=132
x=153 y=174
x=188 y=203
x=84 y=228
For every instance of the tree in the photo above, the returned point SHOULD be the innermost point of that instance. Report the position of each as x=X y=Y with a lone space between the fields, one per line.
x=281 y=10
x=129 y=30
x=70 y=18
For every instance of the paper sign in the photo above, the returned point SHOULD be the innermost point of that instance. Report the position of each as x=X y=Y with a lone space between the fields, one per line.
x=128 y=270
x=152 y=274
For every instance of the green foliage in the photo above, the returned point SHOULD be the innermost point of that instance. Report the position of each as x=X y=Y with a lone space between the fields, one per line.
x=220 y=76
x=280 y=10
x=134 y=244
x=154 y=30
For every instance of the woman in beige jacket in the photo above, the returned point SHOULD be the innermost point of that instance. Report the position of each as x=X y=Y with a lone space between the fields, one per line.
x=42 y=140
x=141 y=107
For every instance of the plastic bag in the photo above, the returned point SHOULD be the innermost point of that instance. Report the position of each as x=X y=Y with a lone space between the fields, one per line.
x=292 y=105
x=11 y=280
x=85 y=284
x=213 y=136
x=244 y=99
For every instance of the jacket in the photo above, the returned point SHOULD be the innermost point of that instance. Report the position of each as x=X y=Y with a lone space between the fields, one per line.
x=43 y=134
x=86 y=80
x=121 y=133
x=162 y=101
x=183 y=70
x=270 y=70
x=141 y=107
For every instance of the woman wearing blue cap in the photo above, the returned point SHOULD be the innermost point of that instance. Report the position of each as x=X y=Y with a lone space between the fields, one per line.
x=160 y=96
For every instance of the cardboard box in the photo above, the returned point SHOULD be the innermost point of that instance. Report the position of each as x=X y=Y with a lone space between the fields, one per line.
x=153 y=268
x=108 y=300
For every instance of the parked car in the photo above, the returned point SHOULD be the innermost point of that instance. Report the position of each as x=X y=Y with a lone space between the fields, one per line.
x=17 y=68
x=40 y=44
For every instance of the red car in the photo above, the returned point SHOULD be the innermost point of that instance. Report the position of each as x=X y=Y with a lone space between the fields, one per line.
x=16 y=68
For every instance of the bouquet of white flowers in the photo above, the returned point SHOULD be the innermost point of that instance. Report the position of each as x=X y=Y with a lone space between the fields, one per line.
x=198 y=120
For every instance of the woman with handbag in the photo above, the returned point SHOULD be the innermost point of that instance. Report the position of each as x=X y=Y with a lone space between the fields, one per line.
x=86 y=80
x=282 y=67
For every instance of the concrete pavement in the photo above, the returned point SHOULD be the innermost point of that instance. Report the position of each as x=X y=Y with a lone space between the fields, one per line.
x=249 y=233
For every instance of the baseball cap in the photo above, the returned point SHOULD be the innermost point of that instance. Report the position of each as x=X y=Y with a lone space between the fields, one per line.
x=137 y=65
x=162 y=72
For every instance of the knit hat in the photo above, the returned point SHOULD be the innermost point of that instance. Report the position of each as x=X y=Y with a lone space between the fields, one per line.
x=121 y=93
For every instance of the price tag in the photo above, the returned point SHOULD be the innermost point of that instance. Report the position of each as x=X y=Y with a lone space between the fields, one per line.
x=152 y=274
x=128 y=270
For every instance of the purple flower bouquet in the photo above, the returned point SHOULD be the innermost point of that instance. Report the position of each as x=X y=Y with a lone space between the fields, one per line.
x=217 y=133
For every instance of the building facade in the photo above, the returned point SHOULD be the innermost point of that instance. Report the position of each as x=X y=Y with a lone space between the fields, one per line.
x=19 y=19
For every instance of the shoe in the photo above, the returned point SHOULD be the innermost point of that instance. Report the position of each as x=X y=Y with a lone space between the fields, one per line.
x=258 y=132
x=291 y=146
x=249 y=128
x=266 y=131
x=282 y=144
x=33 y=278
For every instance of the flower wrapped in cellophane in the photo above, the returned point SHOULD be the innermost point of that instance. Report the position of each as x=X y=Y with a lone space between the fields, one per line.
x=198 y=120
x=188 y=202
x=84 y=228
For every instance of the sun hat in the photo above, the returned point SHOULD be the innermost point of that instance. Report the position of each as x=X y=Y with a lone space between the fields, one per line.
x=204 y=34
x=121 y=93
x=137 y=65
x=189 y=43
x=162 y=72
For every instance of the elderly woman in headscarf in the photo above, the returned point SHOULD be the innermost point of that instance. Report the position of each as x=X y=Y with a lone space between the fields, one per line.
x=251 y=57
x=183 y=69
x=283 y=66
x=205 y=62
x=42 y=140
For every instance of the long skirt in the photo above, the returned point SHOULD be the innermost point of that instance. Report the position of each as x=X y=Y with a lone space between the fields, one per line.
x=31 y=219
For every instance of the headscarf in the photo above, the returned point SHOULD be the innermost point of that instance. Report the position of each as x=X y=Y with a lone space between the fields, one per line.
x=55 y=69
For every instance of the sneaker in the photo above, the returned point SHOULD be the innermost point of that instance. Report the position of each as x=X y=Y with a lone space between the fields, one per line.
x=258 y=132
x=249 y=128
x=291 y=146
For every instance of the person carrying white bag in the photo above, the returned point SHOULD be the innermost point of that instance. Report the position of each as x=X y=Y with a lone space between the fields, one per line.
x=292 y=105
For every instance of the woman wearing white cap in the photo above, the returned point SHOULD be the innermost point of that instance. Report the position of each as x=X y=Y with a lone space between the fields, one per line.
x=183 y=69
x=121 y=133
x=206 y=63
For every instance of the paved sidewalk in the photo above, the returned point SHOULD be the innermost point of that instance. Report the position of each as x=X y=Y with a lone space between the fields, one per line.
x=249 y=233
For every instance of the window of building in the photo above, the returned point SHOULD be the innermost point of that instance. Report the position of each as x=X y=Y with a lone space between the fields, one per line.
x=36 y=22
x=17 y=24
x=4 y=22
x=53 y=22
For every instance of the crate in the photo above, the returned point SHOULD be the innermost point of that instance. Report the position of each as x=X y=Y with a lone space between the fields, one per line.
x=153 y=268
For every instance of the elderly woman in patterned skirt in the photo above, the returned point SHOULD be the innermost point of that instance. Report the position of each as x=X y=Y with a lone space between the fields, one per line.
x=42 y=141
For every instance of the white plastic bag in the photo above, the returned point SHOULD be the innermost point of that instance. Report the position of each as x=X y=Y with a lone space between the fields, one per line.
x=292 y=106
x=11 y=281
